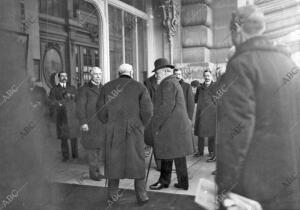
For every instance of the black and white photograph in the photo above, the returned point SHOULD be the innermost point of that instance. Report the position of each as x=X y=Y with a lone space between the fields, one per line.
x=149 y=104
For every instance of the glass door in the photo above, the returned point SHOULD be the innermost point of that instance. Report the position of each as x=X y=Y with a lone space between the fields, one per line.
x=85 y=59
x=127 y=42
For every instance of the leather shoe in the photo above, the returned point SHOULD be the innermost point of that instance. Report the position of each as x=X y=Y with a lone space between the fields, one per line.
x=96 y=177
x=212 y=159
x=158 y=186
x=181 y=186
x=142 y=202
x=198 y=154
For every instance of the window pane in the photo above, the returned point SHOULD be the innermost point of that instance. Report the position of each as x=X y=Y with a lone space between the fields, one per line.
x=77 y=67
x=96 y=58
x=139 y=4
x=43 y=6
x=53 y=7
x=142 y=49
x=127 y=38
x=49 y=8
x=115 y=39
x=130 y=39
x=56 y=8
x=87 y=63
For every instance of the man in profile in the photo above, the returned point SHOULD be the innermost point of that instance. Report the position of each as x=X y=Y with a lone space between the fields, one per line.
x=258 y=119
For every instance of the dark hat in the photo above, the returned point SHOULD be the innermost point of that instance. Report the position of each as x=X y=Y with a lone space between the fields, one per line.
x=195 y=83
x=162 y=63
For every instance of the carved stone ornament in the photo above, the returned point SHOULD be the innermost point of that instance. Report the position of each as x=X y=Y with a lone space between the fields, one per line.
x=170 y=17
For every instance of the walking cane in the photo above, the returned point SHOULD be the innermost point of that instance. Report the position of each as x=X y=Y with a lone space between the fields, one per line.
x=149 y=165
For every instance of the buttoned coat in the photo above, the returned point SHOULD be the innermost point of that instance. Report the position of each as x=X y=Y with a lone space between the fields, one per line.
x=189 y=98
x=87 y=99
x=151 y=85
x=205 y=119
x=67 y=124
x=125 y=109
x=258 y=126
x=171 y=126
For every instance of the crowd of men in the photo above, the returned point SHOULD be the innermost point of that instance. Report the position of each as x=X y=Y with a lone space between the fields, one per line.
x=250 y=117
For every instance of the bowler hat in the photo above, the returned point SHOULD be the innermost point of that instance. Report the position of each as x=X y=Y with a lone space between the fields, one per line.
x=162 y=63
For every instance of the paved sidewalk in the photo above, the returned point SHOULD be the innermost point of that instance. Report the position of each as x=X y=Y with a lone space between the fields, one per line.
x=76 y=172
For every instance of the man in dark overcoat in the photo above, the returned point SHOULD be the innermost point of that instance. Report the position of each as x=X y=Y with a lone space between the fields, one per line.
x=187 y=92
x=62 y=98
x=195 y=84
x=258 y=118
x=205 y=119
x=171 y=127
x=125 y=108
x=151 y=85
x=92 y=129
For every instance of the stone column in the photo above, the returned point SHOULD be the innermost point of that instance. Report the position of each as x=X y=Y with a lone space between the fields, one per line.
x=196 y=20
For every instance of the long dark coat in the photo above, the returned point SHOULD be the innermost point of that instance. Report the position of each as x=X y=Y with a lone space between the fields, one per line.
x=87 y=99
x=126 y=109
x=189 y=98
x=171 y=126
x=205 y=119
x=67 y=125
x=151 y=85
x=258 y=126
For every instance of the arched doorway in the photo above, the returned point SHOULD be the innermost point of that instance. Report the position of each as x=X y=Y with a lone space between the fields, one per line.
x=71 y=39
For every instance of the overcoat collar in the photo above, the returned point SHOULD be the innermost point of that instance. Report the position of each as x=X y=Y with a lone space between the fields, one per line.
x=125 y=76
x=59 y=86
x=171 y=77
x=260 y=43
x=94 y=88
x=203 y=86
x=153 y=81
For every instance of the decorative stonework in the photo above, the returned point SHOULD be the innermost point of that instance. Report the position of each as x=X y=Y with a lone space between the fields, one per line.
x=170 y=17
x=170 y=11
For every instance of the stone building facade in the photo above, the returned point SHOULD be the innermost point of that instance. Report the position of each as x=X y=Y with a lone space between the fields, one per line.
x=74 y=35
